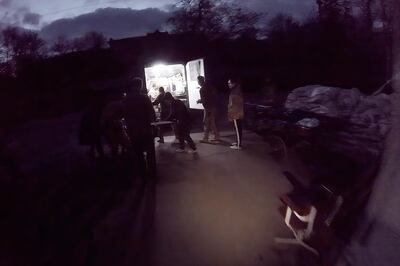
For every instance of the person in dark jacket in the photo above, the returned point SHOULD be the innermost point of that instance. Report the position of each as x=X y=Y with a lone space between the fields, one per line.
x=164 y=107
x=181 y=114
x=209 y=101
x=164 y=112
x=111 y=120
x=90 y=130
x=138 y=113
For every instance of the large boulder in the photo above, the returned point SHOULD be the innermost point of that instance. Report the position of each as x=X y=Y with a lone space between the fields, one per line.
x=366 y=119
x=369 y=112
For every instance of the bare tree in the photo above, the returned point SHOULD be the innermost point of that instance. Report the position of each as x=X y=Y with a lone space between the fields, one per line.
x=385 y=14
x=31 y=45
x=372 y=11
x=380 y=225
x=19 y=44
x=382 y=11
x=9 y=38
x=334 y=9
x=241 y=23
x=95 y=40
x=366 y=10
x=197 y=16
x=392 y=151
x=78 y=44
x=213 y=18
x=62 y=45
x=90 y=41
x=281 y=23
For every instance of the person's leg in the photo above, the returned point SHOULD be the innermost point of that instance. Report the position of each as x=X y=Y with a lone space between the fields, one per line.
x=151 y=158
x=207 y=125
x=181 y=136
x=176 y=133
x=189 y=140
x=213 y=124
x=113 y=138
x=137 y=152
x=161 y=134
x=240 y=128
x=238 y=131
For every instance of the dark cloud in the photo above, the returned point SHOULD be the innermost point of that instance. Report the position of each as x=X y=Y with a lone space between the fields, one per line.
x=112 y=22
x=22 y=10
x=19 y=16
x=5 y=3
x=299 y=9
x=31 y=19
x=91 y=2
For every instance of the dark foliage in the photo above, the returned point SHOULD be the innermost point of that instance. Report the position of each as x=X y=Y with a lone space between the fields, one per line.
x=213 y=19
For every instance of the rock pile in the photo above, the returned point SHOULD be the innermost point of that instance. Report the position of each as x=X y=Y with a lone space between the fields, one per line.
x=367 y=118
x=372 y=113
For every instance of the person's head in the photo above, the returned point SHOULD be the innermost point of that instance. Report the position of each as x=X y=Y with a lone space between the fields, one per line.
x=201 y=80
x=135 y=86
x=161 y=90
x=233 y=82
x=169 y=98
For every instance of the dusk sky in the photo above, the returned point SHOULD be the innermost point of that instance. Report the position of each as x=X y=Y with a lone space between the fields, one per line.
x=73 y=17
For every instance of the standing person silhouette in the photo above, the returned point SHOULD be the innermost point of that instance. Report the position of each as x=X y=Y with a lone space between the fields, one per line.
x=139 y=113
x=209 y=101
x=90 y=131
x=236 y=110
x=164 y=111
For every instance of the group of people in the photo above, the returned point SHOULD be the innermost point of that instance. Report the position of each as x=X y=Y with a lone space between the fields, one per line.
x=235 y=110
x=175 y=109
x=172 y=109
x=127 y=123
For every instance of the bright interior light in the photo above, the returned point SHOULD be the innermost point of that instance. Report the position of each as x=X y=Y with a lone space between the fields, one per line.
x=159 y=69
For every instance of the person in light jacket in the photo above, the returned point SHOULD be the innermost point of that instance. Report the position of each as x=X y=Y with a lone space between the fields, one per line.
x=235 y=110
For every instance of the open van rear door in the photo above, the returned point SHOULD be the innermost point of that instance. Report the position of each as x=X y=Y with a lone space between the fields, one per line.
x=194 y=69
